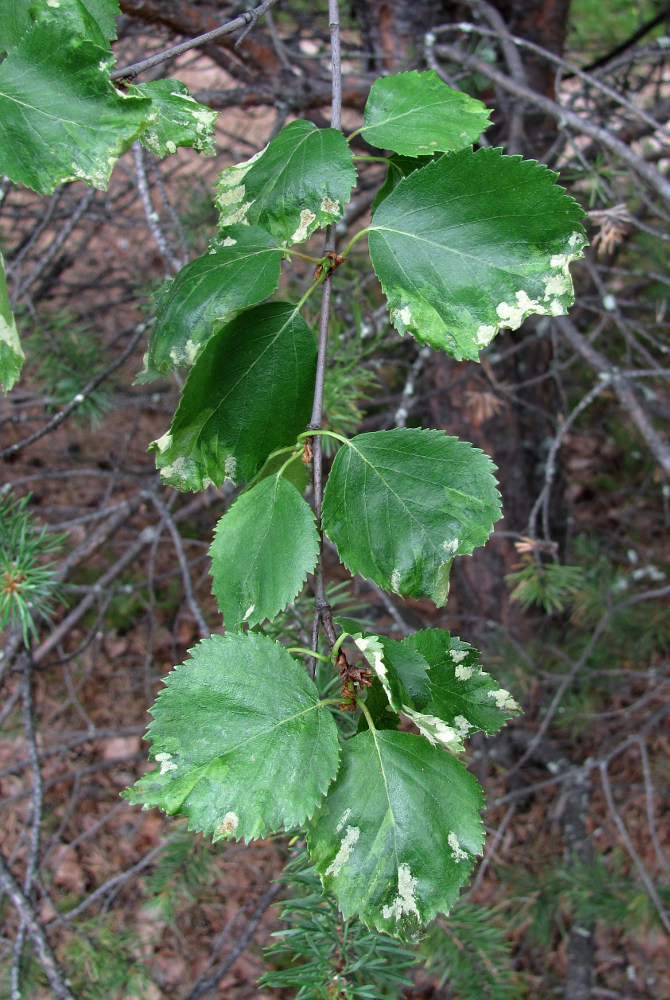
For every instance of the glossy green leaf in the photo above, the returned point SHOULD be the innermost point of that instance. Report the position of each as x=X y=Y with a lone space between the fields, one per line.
x=264 y=546
x=400 y=504
x=396 y=834
x=176 y=118
x=249 y=392
x=417 y=114
x=61 y=119
x=240 y=273
x=463 y=696
x=301 y=180
x=473 y=242
x=243 y=742
x=11 y=352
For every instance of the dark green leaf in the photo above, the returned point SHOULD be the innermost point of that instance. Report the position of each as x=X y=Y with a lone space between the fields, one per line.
x=263 y=549
x=399 y=167
x=60 y=117
x=473 y=242
x=377 y=704
x=463 y=696
x=241 y=273
x=396 y=834
x=249 y=393
x=11 y=352
x=301 y=180
x=400 y=504
x=417 y=114
x=176 y=118
x=243 y=742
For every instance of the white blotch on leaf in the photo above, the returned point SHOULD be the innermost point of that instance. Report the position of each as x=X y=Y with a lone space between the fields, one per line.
x=435 y=730
x=330 y=206
x=306 y=219
x=176 y=471
x=232 y=196
x=228 y=242
x=450 y=546
x=457 y=852
x=373 y=651
x=405 y=901
x=395 y=580
x=462 y=725
x=464 y=672
x=229 y=824
x=485 y=334
x=171 y=146
x=166 y=762
x=164 y=442
x=513 y=316
x=345 y=816
x=339 y=861
x=504 y=700
x=458 y=655
x=229 y=466
x=248 y=612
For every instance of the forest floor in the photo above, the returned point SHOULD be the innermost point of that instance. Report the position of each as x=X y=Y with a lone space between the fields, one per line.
x=142 y=893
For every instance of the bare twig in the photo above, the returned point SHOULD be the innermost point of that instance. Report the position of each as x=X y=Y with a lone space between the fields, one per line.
x=31 y=921
x=245 y=21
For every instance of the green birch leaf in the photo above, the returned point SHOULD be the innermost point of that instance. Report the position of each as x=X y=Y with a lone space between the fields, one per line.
x=377 y=704
x=249 y=393
x=176 y=118
x=403 y=674
x=461 y=248
x=264 y=546
x=104 y=13
x=399 y=167
x=61 y=119
x=463 y=696
x=242 y=271
x=400 y=504
x=395 y=837
x=243 y=742
x=417 y=114
x=300 y=181
x=11 y=352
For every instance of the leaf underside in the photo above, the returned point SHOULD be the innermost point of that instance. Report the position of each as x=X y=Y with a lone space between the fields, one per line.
x=243 y=742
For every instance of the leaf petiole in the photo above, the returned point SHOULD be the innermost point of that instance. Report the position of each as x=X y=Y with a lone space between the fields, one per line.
x=361 y=705
x=308 y=652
